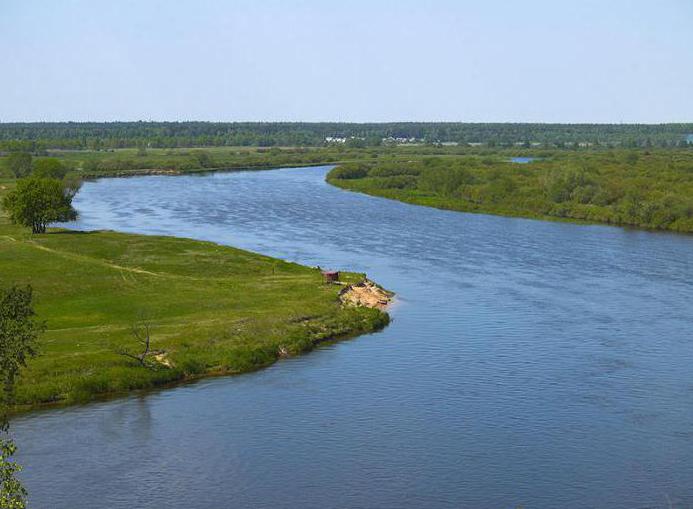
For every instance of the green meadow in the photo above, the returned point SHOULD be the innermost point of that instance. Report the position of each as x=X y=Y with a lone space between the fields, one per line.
x=213 y=309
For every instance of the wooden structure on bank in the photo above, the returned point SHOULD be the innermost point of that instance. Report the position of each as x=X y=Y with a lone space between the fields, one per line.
x=331 y=276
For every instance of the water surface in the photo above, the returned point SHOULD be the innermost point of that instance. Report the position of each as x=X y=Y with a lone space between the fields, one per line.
x=536 y=363
x=522 y=160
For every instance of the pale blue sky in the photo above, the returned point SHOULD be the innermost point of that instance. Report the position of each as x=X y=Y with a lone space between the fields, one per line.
x=374 y=60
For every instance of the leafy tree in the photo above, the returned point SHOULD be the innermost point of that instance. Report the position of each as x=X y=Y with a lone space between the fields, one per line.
x=12 y=493
x=19 y=163
x=36 y=202
x=19 y=332
x=355 y=142
x=49 y=168
x=374 y=141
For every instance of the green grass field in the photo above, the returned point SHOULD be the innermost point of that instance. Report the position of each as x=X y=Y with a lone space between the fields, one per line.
x=214 y=309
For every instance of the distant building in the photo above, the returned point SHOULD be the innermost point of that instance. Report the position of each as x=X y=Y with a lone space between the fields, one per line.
x=391 y=140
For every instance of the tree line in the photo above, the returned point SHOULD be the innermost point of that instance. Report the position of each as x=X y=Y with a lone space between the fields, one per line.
x=34 y=137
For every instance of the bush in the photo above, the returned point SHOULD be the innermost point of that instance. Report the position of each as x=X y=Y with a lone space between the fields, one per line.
x=561 y=184
x=350 y=172
x=392 y=170
x=445 y=181
x=202 y=159
x=19 y=163
x=49 y=168
x=396 y=182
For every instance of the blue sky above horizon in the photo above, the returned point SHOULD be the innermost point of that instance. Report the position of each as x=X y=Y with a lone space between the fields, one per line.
x=358 y=61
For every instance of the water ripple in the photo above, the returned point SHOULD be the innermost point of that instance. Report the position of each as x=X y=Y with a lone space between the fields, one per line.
x=528 y=363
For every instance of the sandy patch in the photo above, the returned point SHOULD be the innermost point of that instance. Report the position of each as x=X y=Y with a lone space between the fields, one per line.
x=365 y=293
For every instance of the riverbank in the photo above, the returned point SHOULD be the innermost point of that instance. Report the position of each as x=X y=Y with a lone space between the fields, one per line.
x=141 y=172
x=213 y=310
x=367 y=294
x=650 y=189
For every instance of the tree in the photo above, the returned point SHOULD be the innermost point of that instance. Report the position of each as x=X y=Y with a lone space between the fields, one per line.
x=19 y=163
x=141 y=332
x=12 y=493
x=49 y=168
x=36 y=202
x=354 y=142
x=19 y=332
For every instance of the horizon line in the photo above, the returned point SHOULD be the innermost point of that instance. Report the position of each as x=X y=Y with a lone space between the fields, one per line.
x=379 y=122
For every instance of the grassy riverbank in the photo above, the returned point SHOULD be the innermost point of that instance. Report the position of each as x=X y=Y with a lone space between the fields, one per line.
x=125 y=162
x=214 y=309
x=648 y=189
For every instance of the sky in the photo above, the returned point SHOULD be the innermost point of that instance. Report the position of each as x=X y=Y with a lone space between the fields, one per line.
x=356 y=61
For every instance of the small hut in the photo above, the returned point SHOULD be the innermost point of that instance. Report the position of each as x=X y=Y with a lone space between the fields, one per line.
x=331 y=276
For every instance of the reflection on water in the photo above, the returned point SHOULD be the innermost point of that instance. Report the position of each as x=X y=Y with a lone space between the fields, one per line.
x=528 y=362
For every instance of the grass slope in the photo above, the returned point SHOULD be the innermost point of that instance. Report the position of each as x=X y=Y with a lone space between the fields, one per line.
x=215 y=309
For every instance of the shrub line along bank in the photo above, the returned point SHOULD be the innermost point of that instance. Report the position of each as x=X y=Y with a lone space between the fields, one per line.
x=650 y=189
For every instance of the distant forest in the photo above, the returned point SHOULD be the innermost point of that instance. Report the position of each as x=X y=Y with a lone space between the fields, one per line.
x=112 y=135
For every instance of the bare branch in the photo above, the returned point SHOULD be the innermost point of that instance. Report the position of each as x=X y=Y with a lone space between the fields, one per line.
x=141 y=331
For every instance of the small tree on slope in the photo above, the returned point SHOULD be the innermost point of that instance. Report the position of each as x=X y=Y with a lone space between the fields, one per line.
x=37 y=202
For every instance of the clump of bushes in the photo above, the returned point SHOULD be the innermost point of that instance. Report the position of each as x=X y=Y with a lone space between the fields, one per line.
x=350 y=171
x=391 y=170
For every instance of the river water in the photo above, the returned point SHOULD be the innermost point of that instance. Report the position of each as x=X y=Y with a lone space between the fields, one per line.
x=528 y=363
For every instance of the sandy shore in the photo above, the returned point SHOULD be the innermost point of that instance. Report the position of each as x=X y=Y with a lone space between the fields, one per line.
x=365 y=293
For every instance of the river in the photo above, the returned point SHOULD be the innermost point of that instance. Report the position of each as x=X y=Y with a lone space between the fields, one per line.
x=530 y=363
